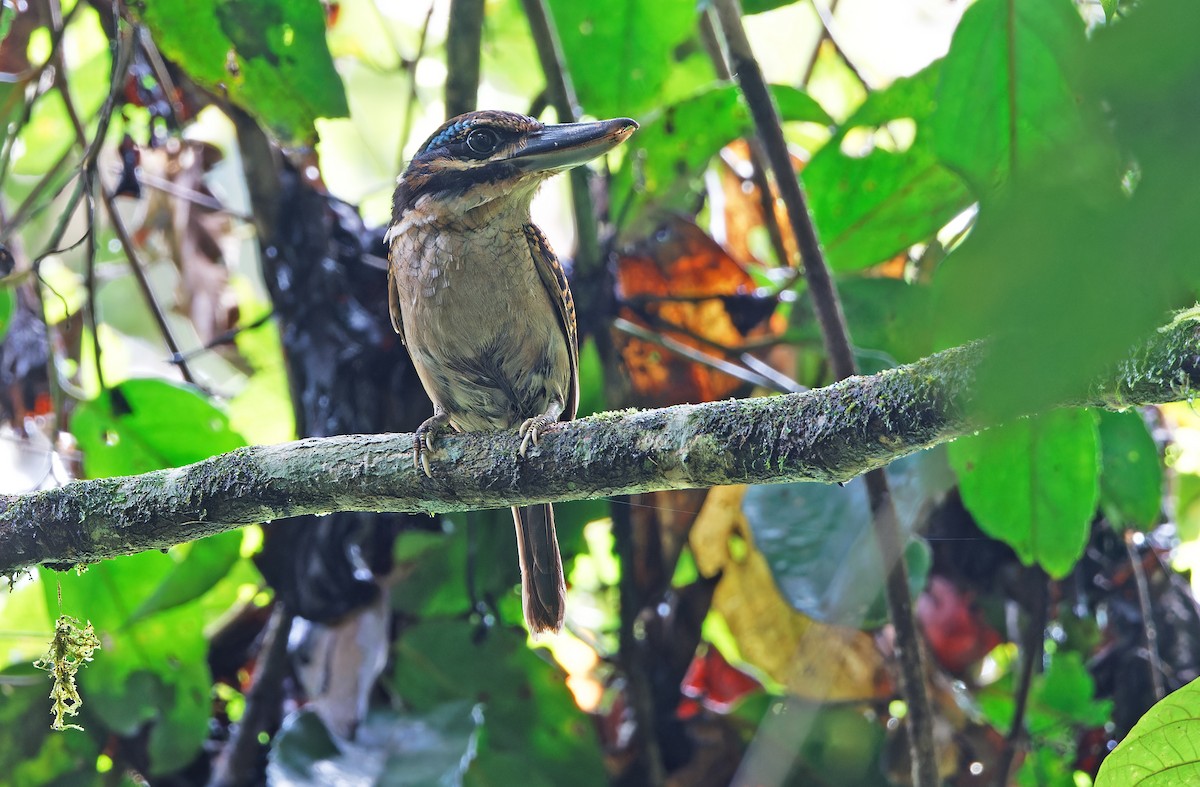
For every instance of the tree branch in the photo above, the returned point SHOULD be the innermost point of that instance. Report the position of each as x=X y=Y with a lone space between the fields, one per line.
x=827 y=435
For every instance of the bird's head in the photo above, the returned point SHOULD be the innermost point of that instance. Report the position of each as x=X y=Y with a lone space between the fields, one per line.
x=491 y=157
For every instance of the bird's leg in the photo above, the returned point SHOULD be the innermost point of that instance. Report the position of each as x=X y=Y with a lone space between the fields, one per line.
x=533 y=427
x=423 y=438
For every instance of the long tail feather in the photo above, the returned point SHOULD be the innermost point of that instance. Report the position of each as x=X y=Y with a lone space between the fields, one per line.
x=543 y=590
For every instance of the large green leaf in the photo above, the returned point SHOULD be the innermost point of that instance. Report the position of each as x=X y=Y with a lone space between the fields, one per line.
x=666 y=157
x=1033 y=484
x=149 y=424
x=820 y=544
x=870 y=207
x=1162 y=749
x=529 y=712
x=1065 y=268
x=201 y=565
x=269 y=56
x=389 y=748
x=623 y=56
x=1131 y=477
x=1010 y=92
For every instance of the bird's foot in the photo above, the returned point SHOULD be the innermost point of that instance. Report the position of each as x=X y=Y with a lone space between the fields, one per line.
x=533 y=428
x=423 y=439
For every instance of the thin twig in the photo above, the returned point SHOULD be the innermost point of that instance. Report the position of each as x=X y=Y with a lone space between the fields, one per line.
x=1031 y=655
x=90 y=280
x=29 y=206
x=239 y=761
x=828 y=309
x=162 y=75
x=807 y=72
x=758 y=170
x=633 y=656
x=784 y=383
x=410 y=104
x=566 y=104
x=1148 y=624
x=700 y=357
x=160 y=318
x=463 y=39
x=829 y=33
x=191 y=195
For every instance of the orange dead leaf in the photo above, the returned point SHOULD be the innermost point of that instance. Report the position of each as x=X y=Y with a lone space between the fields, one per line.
x=681 y=283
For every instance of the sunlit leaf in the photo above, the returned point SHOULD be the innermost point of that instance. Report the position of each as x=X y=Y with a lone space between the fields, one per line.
x=269 y=56
x=1163 y=748
x=868 y=207
x=1010 y=91
x=1033 y=484
x=204 y=563
x=148 y=424
x=599 y=40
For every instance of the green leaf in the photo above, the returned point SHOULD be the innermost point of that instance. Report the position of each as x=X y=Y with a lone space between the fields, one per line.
x=666 y=157
x=204 y=563
x=868 y=208
x=269 y=56
x=8 y=305
x=528 y=709
x=149 y=424
x=820 y=544
x=1033 y=484
x=8 y=12
x=1131 y=476
x=1066 y=692
x=1162 y=749
x=1009 y=92
x=437 y=584
x=1110 y=8
x=389 y=748
x=622 y=56
x=759 y=6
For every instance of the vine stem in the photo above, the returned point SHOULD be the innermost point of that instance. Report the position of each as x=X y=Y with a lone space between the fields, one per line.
x=836 y=336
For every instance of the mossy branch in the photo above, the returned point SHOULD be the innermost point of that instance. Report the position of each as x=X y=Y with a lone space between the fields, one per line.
x=827 y=435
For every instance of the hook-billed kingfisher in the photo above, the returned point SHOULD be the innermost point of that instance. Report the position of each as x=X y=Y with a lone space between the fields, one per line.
x=482 y=303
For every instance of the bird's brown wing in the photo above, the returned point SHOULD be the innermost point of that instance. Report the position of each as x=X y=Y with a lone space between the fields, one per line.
x=394 y=305
x=553 y=278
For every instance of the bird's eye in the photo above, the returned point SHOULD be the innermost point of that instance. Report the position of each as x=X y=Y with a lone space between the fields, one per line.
x=482 y=141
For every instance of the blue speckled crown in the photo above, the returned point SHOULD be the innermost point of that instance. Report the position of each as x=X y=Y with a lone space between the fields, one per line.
x=446 y=135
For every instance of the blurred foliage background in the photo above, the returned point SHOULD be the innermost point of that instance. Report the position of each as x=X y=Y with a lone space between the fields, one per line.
x=192 y=202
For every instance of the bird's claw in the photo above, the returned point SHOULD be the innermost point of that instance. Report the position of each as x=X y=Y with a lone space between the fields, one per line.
x=531 y=430
x=423 y=441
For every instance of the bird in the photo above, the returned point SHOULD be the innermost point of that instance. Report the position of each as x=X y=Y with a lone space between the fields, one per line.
x=482 y=303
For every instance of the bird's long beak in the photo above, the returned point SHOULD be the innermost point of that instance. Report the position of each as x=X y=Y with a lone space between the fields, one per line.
x=566 y=145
